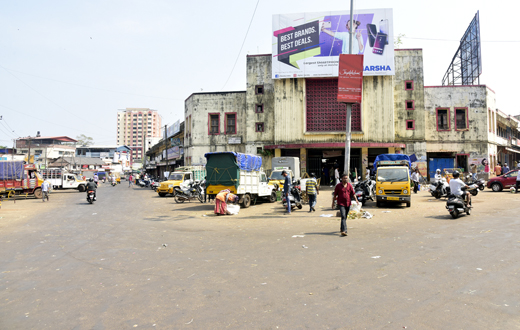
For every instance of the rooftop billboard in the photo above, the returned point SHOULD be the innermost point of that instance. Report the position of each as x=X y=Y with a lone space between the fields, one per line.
x=309 y=44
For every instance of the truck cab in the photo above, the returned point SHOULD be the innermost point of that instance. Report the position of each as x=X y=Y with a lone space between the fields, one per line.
x=174 y=180
x=393 y=182
x=277 y=179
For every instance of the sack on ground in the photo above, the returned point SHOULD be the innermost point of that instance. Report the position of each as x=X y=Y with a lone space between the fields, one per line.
x=356 y=207
x=233 y=209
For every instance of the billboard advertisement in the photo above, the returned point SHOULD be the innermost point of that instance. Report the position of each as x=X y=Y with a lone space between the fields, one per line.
x=174 y=128
x=309 y=44
x=350 y=79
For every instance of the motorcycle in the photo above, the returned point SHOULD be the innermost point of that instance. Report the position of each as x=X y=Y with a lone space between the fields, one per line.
x=365 y=190
x=144 y=183
x=440 y=189
x=192 y=190
x=458 y=204
x=90 y=196
x=295 y=197
x=155 y=184
x=479 y=182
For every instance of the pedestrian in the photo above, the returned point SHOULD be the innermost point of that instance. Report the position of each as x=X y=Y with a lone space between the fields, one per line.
x=325 y=174
x=311 y=186
x=343 y=193
x=130 y=181
x=223 y=197
x=336 y=175
x=286 y=190
x=498 y=169
x=518 y=179
x=473 y=169
x=415 y=179
x=505 y=169
x=45 y=190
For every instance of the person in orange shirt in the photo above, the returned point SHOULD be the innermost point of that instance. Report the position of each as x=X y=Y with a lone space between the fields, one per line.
x=498 y=169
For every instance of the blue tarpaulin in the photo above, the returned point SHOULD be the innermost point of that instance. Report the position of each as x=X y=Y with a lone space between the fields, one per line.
x=245 y=162
x=11 y=170
x=392 y=157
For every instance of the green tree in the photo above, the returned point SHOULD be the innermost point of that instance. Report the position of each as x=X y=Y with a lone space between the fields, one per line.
x=84 y=140
x=398 y=41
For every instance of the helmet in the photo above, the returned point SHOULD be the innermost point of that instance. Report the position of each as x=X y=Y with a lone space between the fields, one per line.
x=456 y=174
x=90 y=180
x=438 y=170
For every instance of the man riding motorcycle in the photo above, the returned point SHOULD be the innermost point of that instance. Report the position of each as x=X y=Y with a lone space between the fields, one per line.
x=455 y=186
x=91 y=186
x=438 y=175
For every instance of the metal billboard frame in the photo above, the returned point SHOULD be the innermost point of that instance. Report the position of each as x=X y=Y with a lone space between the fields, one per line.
x=466 y=65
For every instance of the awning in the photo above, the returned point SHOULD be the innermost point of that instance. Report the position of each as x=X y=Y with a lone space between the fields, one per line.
x=513 y=150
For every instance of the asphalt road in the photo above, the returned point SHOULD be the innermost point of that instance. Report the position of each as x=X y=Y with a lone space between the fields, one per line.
x=135 y=260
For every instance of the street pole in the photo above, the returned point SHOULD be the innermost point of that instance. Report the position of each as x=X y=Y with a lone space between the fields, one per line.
x=165 y=145
x=349 y=105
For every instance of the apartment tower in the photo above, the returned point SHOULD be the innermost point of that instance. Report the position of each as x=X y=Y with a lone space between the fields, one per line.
x=136 y=127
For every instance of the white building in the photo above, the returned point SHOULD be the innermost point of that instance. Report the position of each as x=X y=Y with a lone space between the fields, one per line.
x=137 y=126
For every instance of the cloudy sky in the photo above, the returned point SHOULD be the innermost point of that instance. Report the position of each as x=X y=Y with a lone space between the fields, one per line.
x=67 y=67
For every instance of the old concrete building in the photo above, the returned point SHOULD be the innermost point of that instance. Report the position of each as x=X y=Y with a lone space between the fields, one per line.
x=446 y=126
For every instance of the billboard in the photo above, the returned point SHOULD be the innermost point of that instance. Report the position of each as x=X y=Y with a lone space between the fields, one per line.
x=174 y=128
x=350 y=79
x=309 y=44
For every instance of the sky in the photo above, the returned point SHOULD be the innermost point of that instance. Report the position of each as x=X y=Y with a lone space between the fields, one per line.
x=67 y=67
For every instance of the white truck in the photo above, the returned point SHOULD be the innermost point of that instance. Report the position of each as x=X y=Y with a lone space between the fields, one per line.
x=279 y=164
x=59 y=179
x=241 y=173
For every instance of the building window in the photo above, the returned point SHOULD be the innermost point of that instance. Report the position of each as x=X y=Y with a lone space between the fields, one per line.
x=231 y=123
x=461 y=118
x=410 y=105
x=443 y=120
x=259 y=127
x=213 y=125
x=259 y=150
x=410 y=124
x=259 y=108
x=259 y=89
x=408 y=85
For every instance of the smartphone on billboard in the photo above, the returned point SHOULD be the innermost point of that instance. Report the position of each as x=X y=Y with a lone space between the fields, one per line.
x=383 y=28
x=327 y=24
x=379 y=45
x=372 y=33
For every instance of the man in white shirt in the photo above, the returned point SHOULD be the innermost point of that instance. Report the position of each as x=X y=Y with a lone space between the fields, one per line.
x=357 y=39
x=45 y=190
x=456 y=185
x=415 y=179
x=438 y=176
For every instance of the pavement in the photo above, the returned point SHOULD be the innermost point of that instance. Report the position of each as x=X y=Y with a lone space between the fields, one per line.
x=136 y=260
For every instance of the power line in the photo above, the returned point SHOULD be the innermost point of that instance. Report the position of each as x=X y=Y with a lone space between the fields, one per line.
x=458 y=40
x=240 y=51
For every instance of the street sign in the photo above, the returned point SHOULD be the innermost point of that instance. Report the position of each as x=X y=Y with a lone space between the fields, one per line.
x=350 y=78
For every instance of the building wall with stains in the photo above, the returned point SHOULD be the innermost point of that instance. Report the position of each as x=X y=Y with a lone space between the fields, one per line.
x=197 y=139
x=473 y=140
x=409 y=120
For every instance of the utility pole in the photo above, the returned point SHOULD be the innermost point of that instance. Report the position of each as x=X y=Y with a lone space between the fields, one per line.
x=29 y=155
x=349 y=105
x=166 y=145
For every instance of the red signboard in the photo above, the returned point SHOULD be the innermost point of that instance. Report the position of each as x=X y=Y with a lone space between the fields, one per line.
x=350 y=78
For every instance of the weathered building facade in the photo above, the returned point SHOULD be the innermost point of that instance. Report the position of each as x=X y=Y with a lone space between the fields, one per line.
x=440 y=125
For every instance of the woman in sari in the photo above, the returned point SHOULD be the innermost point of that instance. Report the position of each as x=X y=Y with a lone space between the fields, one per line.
x=221 y=201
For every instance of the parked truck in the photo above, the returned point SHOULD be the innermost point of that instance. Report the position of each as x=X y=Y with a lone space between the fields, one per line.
x=19 y=178
x=241 y=173
x=393 y=179
x=290 y=164
x=59 y=179
x=181 y=175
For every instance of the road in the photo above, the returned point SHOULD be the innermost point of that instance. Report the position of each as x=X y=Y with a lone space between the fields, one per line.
x=135 y=260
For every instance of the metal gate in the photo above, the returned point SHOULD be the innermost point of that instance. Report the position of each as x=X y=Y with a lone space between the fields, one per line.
x=314 y=166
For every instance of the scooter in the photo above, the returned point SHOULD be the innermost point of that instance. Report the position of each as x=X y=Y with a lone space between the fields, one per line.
x=458 y=204
x=193 y=190
x=295 y=197
x=90 y=196
x=440 y=189
x=479 y=182
x=364 y=191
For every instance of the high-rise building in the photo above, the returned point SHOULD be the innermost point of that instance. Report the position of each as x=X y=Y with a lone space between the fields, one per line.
x=137 y=128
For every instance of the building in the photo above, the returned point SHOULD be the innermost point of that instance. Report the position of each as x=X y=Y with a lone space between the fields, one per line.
x=137 y=126
x=44 y=149
x=110 y=155
x=167 y=154
x=442 y=126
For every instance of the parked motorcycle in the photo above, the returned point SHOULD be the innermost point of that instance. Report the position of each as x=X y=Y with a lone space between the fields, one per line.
x=479 y=182
x=144 y=183
x=90 y=196
x=192 y=190
x=365 y=190
x=458 y=204
x=440 y=189
x=155 y=184
x=295 y=197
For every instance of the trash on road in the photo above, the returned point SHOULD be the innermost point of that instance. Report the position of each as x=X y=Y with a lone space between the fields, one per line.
x=298 y=235
x=386 y=211
x=376 y=257
x=326 y=215
x=367 y=215
x=305 y=247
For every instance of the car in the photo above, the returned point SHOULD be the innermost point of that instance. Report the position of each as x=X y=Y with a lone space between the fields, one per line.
x=504 y=181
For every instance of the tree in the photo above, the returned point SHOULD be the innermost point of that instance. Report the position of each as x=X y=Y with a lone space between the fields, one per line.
x=398 y=41
x=84 y=140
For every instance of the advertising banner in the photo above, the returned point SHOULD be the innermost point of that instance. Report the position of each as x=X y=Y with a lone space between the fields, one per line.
x=350 y=79
x=309 y=44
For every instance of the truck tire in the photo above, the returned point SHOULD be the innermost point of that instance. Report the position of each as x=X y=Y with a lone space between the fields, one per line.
x=246 y=202
x=38 y=193
x=81 y=188
x=272 y=198
x=162 y=194
x=408 y=204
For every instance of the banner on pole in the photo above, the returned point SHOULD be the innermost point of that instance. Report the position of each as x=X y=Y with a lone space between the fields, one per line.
x=350 y=78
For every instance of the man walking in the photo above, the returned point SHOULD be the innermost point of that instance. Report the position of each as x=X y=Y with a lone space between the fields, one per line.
x=130 y=181
x=286 y=190
x=415 y=179
x=498 y=169
x=45 y=190
x=344 y=193
x=311 y=186
x=505 y=169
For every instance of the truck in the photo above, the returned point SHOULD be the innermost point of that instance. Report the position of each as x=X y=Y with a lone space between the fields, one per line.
x=393 y=179
x=59 y=179
x=290 y=164
x=180 y=175
x=19 y=178
x=241 y=173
